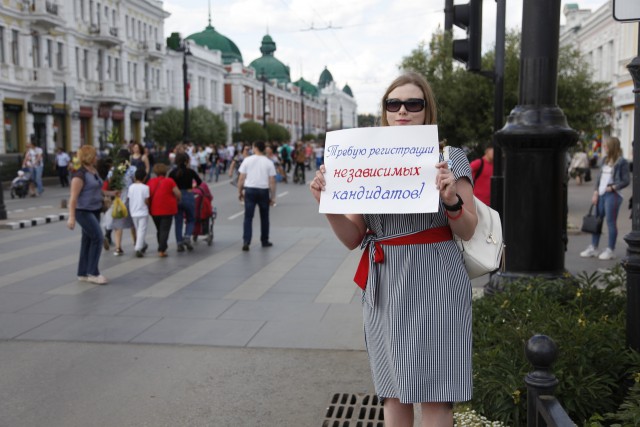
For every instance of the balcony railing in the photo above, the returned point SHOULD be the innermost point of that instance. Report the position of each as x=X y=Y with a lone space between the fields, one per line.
x=105 y=34
x=47 y=13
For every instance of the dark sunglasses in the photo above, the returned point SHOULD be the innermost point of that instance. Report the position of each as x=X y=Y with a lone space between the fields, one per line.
x=412 y=105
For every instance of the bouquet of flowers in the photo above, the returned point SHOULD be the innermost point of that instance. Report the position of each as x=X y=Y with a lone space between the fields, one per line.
x=116 y=182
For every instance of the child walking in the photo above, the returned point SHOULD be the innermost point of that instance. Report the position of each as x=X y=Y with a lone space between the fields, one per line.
x=139 y=210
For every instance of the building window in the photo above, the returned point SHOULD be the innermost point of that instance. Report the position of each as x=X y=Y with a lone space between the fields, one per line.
x=108 y=67
x=35 y=51
x=77 y=62
x=126 y=24
x=82 y=17
x=60 y=58
x=50 y=53
x=135 y=75
x=116 y=70
x=85 y=64
x=2 y=56
x=15 y=58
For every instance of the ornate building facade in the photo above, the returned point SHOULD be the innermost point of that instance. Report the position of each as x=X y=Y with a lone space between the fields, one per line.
x=76 y=72
x=608 y=47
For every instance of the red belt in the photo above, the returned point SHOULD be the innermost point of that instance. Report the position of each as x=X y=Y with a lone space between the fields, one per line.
x=431 y=235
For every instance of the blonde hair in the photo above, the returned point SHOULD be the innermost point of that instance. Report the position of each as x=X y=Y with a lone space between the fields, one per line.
x=87 y=155
x=416 y=79
x=614 y=152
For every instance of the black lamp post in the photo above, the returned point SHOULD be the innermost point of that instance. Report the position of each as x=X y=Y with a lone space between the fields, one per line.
x=631 y=262
x=3 y=208
x=263 y=77
x=302 y=110
x=187 y=88
x=534 y=142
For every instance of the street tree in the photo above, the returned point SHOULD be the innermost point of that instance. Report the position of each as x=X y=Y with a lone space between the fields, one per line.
x=466 y=100
x=205 y=127
x=250 y=132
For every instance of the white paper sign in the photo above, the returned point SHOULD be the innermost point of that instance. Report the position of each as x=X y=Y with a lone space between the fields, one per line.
x=388 y=169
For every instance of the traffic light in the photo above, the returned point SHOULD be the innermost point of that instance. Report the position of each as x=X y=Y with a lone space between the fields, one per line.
x=468 y=16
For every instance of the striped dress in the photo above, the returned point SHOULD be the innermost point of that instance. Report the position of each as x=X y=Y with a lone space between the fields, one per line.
x=417 y=310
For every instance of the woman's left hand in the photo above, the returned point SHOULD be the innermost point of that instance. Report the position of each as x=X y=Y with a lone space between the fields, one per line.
x=446 y=183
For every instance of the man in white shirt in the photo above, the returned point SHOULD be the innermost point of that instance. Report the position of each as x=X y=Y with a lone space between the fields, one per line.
x=257 y=186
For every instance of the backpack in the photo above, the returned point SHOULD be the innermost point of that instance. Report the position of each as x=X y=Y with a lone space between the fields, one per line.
x=284 y=153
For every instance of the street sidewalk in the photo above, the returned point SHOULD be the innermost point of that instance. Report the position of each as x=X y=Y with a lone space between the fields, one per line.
x=51 y=207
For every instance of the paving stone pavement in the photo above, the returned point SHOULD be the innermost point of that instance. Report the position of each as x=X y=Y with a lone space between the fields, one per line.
x=289 y=308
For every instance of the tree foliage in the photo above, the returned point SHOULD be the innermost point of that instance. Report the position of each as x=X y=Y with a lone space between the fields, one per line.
x=466 y=100
x=251 y=132
x=205 y=127
x=277 y=133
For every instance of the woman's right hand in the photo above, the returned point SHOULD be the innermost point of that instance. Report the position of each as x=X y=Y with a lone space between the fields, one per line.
x=71 y=223
x=317 y=185
x=594 y=198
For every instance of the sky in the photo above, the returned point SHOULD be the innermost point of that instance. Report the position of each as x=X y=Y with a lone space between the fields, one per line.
x=361 y=42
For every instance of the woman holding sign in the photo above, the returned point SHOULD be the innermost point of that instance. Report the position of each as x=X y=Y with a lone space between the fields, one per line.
x=416 y=291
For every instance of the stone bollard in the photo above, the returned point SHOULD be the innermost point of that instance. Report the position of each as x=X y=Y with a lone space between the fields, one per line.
x=63 y=204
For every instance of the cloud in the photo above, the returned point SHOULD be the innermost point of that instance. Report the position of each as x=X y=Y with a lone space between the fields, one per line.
x=360 y=41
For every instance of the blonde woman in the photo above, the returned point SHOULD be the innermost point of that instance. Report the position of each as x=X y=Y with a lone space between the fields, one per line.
x=85 y=204
x=417 y=301
x=613 y=177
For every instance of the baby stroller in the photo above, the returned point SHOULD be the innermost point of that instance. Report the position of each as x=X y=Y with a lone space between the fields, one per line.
x=20 y=184
x=205 y=213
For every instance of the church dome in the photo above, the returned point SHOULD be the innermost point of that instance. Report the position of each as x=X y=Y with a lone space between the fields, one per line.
x=325 y=78
x=213 y=40
x=268 y=65
x=346 y=89
x=307 y=87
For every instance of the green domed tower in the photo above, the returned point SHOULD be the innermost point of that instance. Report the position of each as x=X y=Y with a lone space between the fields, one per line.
x=269 y=64
x=213 y=40
x=307 y=87
x=347 y=89
x=325 y=78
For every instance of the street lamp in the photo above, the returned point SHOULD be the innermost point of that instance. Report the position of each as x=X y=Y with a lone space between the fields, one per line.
x=302 y=111
x=264 y=98
x=3 y=208
x=187 y=88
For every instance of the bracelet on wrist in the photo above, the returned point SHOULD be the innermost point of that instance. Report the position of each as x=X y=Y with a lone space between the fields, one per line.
x=456 y=216
x=455 y=207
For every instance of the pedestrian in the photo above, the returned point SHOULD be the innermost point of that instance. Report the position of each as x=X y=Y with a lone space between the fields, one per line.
x=319 y=153
x=85 y=205
x=164 y=195
x=257 y=186
x=138 y=202
x=613 y=177
x=62 y=166
x=138 y=158
x=300 y=157
x=236 y=162
x=482 y=171
x=579 y=167
x=121 y=177
x=29 y=165
x=185 y=218
x=417 y=299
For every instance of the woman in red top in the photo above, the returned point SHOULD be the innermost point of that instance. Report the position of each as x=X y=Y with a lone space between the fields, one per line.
x=164 y=195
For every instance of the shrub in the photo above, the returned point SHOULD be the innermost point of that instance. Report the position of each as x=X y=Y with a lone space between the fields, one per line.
x=585 y=316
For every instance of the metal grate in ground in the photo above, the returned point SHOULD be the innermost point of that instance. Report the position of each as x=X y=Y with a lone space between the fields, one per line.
x=354 y=410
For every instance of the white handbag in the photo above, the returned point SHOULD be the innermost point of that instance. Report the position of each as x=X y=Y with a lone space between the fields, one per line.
x=483 y=253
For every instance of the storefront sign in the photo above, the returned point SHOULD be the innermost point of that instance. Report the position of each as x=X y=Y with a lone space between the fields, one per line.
x=117 y=114
x=86 y=112
x=12 y=107
x=136 y=115
x=104 y=112
x=37 y=108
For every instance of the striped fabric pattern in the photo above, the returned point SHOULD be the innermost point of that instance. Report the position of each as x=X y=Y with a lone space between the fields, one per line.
x=418 y=325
